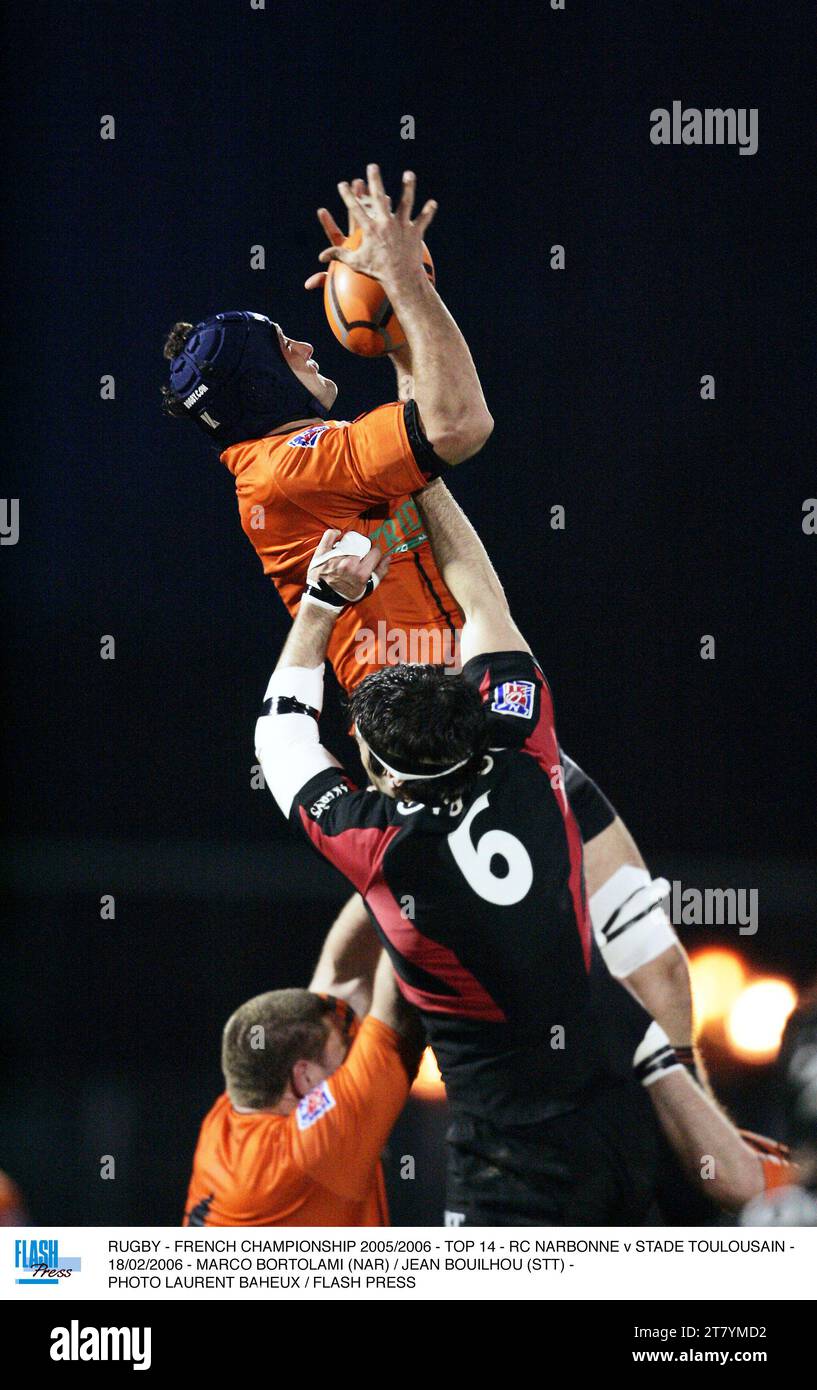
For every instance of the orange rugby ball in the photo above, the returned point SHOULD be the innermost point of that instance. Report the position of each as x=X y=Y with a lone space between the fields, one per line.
x=359 y=313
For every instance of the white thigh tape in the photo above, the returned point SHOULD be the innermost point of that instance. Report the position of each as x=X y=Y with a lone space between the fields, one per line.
x=630 y=923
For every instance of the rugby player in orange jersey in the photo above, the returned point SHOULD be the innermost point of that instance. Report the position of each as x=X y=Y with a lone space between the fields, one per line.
x=260 y=398
x=295 y=1140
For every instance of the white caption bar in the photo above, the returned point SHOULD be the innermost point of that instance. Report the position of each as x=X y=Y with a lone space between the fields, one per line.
x=122 y=1264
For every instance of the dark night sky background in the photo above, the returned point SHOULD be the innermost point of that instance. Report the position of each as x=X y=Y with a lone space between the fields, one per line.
x=683 y=516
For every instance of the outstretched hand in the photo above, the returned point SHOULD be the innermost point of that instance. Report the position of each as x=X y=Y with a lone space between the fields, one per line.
x=333 y=232
x=390 y=245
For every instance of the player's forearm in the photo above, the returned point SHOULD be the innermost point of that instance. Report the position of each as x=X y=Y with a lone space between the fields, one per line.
x=663 y=987
x=707 y=1144
x=308 y=639
x=401 y=361
x=446 y=387
x=389 y=1006
x=711 y=1150
x=349 y=958
x=461 y=557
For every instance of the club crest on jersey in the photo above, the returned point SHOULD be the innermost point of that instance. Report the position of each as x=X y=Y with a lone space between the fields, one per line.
x=308 y=438
x=314 y=1105
x=514 y=697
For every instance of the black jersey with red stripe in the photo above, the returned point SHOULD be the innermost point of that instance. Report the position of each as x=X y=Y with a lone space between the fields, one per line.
x=481 y=906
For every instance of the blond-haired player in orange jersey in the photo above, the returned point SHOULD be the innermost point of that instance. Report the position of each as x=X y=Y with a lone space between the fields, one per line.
x=310 y=1099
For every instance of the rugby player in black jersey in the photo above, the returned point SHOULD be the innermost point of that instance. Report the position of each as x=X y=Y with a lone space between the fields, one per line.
x=469 y=859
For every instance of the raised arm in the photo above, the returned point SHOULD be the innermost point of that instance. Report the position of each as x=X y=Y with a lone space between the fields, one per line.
x=453 y=413
x=287 y=741
x=389 y=1006
x=349 y=958
x=471 y=578
x=404 y=371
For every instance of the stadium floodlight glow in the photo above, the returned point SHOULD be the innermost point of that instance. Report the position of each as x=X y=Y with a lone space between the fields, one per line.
x=717 y=978
x=428 y=1084
x=757 y=1018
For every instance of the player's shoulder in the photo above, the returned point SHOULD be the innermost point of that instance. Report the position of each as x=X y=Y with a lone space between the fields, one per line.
x=381 y=1061
x=321 y=431
x=374 y=1033
x=326 y=433
x=294 y=449
x=508 y=681
x=315 y=1106
x=334 y=1103
x=311 y=436
x=331 y=797
x=374 y=1062
x=516 y=697
x=300 y=442
x=222 y=1120
x=241 y=1140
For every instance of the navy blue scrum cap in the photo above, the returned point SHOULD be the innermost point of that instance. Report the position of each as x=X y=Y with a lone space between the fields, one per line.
x=231 y=379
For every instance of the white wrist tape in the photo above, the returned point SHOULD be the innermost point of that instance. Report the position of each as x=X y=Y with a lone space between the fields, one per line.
x=630 y=923
x=654 y=1057
x=320 y=592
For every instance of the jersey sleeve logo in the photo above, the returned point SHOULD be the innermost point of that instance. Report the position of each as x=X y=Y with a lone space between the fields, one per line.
x=514 y=697
x=308 y=438
x=318 y=807
x=314 y=1105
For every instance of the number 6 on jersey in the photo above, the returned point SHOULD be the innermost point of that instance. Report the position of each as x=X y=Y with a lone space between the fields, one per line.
x=474 y=860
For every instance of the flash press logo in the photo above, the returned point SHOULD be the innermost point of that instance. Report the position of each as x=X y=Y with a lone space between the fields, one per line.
x=39 y=1262
x=75 y=1343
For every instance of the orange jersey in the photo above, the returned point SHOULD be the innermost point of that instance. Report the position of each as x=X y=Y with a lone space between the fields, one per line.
x=319 y=1165
x=293 y=487
x=12 y=1211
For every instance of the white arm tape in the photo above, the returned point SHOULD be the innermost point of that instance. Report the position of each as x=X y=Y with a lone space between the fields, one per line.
x=654 y=1057
x=304 y=683
x=288 y=746
x=630 y=923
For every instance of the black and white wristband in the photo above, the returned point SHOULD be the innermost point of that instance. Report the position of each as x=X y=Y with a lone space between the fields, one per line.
x=655 y=1056
x=324 y=596
x=686 y=1056
x=320 y=593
